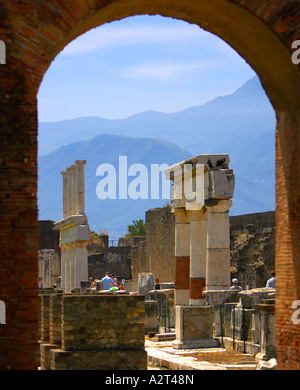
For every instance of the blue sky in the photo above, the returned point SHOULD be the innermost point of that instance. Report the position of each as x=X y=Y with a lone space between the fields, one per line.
x=137 y=64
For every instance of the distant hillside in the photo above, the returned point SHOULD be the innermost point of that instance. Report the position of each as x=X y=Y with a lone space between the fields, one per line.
x=219 y=126
x=110 y=215
x=241 y=124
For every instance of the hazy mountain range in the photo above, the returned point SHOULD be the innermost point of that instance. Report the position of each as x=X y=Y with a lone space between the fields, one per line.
x=241 y=124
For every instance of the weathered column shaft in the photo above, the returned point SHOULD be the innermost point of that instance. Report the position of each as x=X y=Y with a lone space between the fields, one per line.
x=69 y=191
x=198 y=242
x=63 y=267
x=182 y=256
x=72 y=265
x=67 y=279
x=81 y=269
x=65 y=194
x=218 y=246
x=80 y=186
x=74 y=190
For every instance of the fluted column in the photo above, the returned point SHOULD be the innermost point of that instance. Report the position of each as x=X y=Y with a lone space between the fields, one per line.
x=80 y=186
x=67 y=277
x=69 y=190
x=63 y=267
x=74 y=189
x=65 y=193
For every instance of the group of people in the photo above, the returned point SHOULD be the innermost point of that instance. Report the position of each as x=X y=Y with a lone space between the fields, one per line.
x=107 y=283
x=270 y=282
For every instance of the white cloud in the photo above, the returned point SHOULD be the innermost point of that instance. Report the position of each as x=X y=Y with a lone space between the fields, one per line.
x=166 y=71
x=113 y=34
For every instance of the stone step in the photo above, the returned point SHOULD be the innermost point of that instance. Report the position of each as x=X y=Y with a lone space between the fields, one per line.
x=164 y=336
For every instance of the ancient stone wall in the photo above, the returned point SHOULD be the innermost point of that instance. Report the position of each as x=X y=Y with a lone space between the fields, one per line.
x=48 y=237
x=252 y=239
x=116 y=260
x=160 y=243
x=261 y=221
x=97 y=331
x=138 y=259
x=252 y=255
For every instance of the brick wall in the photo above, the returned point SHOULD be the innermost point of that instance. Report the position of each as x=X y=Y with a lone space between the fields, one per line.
x=261 y=31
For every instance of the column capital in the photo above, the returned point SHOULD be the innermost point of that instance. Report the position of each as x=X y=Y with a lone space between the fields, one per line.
x=181 y=214
x=199 y=214
x=218 y=206
x=80 y=162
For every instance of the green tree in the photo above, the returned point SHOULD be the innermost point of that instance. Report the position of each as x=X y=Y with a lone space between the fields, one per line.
x=138 y=228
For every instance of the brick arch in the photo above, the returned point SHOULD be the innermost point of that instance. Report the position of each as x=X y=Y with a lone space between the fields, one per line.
x=35 y=32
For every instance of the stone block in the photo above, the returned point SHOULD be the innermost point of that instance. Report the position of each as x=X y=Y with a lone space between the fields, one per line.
x=84 y=286
x=146 y=283
x=194 y=327
x=221 y=184
x=98 y=360
x=151 y=316
x=250 y=298
x=267 y=364
x=83 y=233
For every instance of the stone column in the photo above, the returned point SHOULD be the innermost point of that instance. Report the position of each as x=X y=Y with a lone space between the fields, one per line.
x=198 y=242
x=218 y=245
x=72 y=265
x=63 y=267
x=72 y=195
x=74 y=189
x=182 y=256
x=69 y=190
x=67 y=279
x=81 y=269
x=65 y=193
x=80 y=185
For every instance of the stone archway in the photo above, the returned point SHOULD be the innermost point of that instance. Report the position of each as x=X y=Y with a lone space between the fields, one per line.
x=34 y=32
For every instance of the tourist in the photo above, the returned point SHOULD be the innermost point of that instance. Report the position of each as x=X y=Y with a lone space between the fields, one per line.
x=112 y=277
x=157 y=285
x=272 y=280
x=235 y=285
x=115 y=286
x=106 y=282
x=121 y=286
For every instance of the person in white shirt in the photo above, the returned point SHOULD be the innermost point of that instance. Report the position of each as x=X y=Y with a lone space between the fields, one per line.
x=106 y=282
x=235 y=285
x=272 y=281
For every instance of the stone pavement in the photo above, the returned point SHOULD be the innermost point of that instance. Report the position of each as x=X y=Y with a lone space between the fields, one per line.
x=162 y=355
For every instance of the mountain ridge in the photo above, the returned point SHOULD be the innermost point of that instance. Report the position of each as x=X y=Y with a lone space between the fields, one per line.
x=241 y=124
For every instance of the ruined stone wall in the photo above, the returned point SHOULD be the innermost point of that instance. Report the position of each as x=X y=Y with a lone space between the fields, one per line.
x=261 y=221
x=252 y=239
x=116 y=260
x=160 y=243
x=138 y=259
x=49 y=267
x=48 y=237
x=252 y=255
x=97 y=331
x=49 y=254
